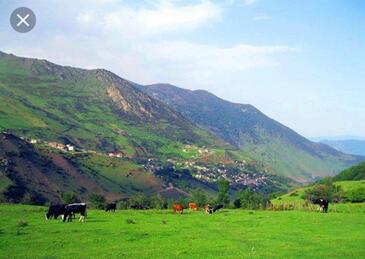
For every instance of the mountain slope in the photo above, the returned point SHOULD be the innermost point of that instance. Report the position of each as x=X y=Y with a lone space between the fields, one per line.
x=36 y=175
x=257 y=135
x=123 y=140
x=92 y=109
x=349 y=146
x=354 y=173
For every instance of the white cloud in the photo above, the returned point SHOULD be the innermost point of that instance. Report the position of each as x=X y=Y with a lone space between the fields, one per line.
x=237 y=57
x=141 y=21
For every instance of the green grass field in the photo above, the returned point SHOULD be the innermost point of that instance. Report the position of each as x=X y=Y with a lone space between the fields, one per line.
x=295 y=197
x=162 y=234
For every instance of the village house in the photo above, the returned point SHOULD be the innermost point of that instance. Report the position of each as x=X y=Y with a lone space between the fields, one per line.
x=33 y=141
x=115 y=154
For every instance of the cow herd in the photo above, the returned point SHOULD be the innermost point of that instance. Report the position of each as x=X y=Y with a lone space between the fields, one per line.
x=179 y=208
x=66 y=211
x=69 y=211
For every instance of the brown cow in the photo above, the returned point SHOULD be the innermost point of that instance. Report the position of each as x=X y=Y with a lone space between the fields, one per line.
x=193 y=206
x=178 y=208
x=208 y=209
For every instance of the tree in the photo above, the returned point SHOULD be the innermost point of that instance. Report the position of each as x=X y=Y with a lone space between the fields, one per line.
x=158 y=202
x=326 y=190
x=199 y=197
x=70 y=197
x=97 y=201
x=249 y=199
x=223 y=191
x=139 y=201
x=237 y=203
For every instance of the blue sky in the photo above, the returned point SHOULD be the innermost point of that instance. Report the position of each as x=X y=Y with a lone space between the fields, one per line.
x=300 y=62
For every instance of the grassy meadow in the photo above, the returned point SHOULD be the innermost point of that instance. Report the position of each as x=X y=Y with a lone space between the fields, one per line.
x=24 y=233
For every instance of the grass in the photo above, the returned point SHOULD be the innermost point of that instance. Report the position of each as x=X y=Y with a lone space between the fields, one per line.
x=162 y=234
x=296 y=197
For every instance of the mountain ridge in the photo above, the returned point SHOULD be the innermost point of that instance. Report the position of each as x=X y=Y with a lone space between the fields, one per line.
x=249 y=129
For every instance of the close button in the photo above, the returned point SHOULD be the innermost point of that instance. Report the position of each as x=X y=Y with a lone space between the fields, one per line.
x=23 y=19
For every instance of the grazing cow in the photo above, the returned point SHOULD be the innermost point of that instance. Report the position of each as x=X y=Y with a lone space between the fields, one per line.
x=217 y=207
x=323 y=204
x=111 y=207
x=193 y=206
x=55 y=210
x=74 y=208
x=178 y=208
x=208 y=209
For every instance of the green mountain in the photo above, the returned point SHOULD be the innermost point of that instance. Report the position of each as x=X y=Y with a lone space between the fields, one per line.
x=257 y=135
x=354 y=173
x=94 y=132
x=90 y=109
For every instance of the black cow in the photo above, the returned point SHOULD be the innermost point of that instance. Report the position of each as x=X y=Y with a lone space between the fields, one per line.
x=217 y=207
x=74 y=208
x=111 y=207
x=55 y=210
x=323 y=204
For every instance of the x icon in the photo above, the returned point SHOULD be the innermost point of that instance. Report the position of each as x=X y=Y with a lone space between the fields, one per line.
x=22 y=20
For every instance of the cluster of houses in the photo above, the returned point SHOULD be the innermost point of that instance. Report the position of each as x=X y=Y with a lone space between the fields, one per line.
x=62 y=147
x=116 y=154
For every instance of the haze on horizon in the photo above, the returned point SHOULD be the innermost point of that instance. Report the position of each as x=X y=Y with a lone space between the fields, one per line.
x=300 y=62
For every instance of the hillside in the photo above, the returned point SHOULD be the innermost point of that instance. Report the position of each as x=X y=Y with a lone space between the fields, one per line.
x=38 y=174
x=116 y=131
x=93 y=109
x=295 y=197
x=353 y=173
x=349 y=146
x=257 y=135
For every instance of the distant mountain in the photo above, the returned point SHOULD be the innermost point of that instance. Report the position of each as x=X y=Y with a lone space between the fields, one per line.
x=340 y=137
x=257 y=135
x=349 y=146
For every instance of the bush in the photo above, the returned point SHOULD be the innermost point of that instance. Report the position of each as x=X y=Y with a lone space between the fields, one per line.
x=356 y=195
x=158 y=202
x=237 y=203
x=199 y=197
x=249 y=199
x=326 y=190
x=97 y=201
x=139 y=201
x=70 y=197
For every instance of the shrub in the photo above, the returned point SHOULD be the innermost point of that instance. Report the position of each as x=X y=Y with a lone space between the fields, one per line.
x=199 y=197
x=326 y=190
x=356 y=195
x=251 y=200
x=158 y=202
x=70 y=197
x=97 y=201
x=139 y=201
x=237 y=203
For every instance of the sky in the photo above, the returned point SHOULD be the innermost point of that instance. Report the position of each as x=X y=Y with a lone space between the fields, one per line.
x=300 y=62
